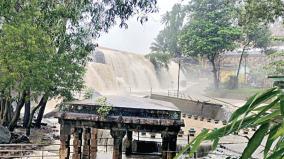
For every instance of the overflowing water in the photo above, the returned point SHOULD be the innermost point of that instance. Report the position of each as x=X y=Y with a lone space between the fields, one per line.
x=113 y=70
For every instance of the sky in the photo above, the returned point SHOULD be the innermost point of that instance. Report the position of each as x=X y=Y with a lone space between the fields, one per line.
x=137 y=38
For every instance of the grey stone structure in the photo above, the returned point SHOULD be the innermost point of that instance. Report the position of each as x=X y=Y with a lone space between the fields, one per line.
x=128 y=114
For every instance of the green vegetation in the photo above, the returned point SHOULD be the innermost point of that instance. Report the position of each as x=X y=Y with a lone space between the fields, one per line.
x=45 y=46
x=167 y=39
x=104 y=108
x=159 y=59
x=264 y=11
x=165 y=45
x=264 y=111
x=255 y=34
x=276 y=65
x=195 y=29
x=210 y=31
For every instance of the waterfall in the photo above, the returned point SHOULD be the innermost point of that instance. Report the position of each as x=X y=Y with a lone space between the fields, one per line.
x=114 y=70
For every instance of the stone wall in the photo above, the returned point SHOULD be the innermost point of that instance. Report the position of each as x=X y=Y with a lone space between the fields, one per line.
x=191 y=107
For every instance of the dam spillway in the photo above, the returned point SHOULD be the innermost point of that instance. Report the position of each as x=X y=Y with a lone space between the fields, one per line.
x=114 y=70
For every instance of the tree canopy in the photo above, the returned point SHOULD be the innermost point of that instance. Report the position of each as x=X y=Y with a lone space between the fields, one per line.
x=210 y=31
x=167 y=39
x=45 y=45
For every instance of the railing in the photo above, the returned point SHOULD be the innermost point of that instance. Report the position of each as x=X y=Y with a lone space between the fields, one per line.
x=178 y=94
x=40 y=151
x=28 y=151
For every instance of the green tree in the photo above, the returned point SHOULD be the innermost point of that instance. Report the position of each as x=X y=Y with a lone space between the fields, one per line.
x=159 y=60
x=210 y=31
x=255 y=34
x=160 y=45
x=25 y=51
x=167 y=39
x=264 y=10
x=55 y=66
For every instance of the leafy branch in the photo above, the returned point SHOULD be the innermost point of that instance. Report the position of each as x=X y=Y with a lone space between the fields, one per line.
x=264 y=110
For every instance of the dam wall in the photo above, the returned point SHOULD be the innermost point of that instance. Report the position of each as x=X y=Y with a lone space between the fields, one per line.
x=194 y=107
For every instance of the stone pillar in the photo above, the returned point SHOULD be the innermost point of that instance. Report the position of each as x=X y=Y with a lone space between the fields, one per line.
x=77 y=143
x=169 y=141
x=165 y=144
x=93 y=143
x=172 y=146
x=64 y=150
x=128 y=143
x=117 y=143
x=86 y=146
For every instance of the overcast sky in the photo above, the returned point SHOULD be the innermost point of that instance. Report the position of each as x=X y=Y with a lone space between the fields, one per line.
x=137 y=38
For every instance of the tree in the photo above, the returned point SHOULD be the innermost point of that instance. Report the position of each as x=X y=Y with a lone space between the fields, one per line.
x=55 y=66
x=160 y=44
x=159 y=60
x=210 y=31
x=25 y=52
x=255 y=34
x=264 y=10
x=166 y=41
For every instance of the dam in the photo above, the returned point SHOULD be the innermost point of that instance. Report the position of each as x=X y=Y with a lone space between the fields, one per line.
x=113 y=70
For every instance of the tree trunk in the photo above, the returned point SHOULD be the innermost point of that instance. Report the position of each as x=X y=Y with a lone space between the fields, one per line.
x=236 y=85
x=27 y=111
x=40 y=113
x=6 y=117
x=43 y=98
x=215 y=74
x=10 y=112
x=2 y=108
x=16 y=116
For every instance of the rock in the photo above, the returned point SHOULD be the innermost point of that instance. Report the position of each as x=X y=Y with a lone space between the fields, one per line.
x=99 y=57
x=23 y=139
x=5 y=135
x=16 y=138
